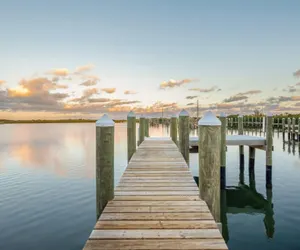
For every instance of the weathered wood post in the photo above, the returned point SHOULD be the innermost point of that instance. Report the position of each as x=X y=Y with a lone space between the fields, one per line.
x=223 y=150
x=131 y=134
x=209 y=144
x=251 y=157
x=174 y=129
x=269 y=148
x=184 y=135
x=141 y=130
x=146 y=127
x=104 y=162
x=240 y=132
x=283 y=128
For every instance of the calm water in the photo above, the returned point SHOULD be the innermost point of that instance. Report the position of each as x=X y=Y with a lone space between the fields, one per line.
x=47 y=189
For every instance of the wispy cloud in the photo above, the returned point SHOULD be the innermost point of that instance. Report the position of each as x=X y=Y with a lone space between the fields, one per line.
x=130 y=92
x=2 y=82
x=90 y=82
x=190 y=97
x=84 y=68
x=190 y=104
x=59 y=72
x=206 y=90
x=251 y=92
x=236 y=98
x=109 y=90
x=175 y=83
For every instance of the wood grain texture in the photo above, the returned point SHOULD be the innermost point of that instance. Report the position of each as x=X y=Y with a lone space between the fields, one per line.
x=156 y=206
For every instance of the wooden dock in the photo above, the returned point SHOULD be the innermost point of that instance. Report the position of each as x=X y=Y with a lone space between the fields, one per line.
x=156 y=206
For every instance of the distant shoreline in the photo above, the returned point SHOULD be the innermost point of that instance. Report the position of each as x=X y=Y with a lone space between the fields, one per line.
x=53 y=121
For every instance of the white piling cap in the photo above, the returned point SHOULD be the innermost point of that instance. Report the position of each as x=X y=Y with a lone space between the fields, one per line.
x=142 y=116
x=131 y=114
x=183 y=113
x=209 y=119
x=105 y=121
x=241 y=116
x=222 y=114
x=269 y=114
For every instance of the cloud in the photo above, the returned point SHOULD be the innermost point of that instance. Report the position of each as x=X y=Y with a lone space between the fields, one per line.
x=93 y=100
x=251 y=92
x=190 y=97
x=190 y=104
x=297 y=84
x=297 y=73
x=280 y=99
x=235 y=98
x=214 y=88
x=90 y=82
x=59 y=72
x=2 y=82
x=109 y=90
x=84 y=68
x=130 y=92
x=175 y=83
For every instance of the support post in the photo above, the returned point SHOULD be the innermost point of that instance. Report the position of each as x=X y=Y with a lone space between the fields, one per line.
x=251 y=157
x=241 y=148
x=104 y=162
x=141 y=130
x=293 y=128
x=269 y=148
x=223 y=150
x=184 y=132
x=289 y=128
x=131 y=134
x=146 y=127
x=174 y=129
x=209 y=134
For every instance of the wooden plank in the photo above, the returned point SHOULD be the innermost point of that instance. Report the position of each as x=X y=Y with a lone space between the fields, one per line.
x=166 y=244
x=156 y=216
x=157 y=184
x=157 y=209
x=176 y=188
x=157 y=198
x=156 y=234
x=156 y=203
x=155 y=224
x=151 y=193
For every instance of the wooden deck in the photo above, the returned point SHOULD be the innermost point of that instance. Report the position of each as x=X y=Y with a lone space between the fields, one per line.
x=156 y=206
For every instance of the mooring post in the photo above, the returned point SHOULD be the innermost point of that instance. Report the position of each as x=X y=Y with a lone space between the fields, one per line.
x=241 y=147
x=146 y=127
x=104 y=162
x=131 y=134
x=269 y=148
x=223 y=150
x=141 y=130
x=174 y=129
x=209 y=134
x=251 y=157
x=184 y=135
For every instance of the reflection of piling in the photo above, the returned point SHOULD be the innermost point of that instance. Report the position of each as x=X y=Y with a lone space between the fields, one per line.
x=225 y=231
x=174 y=129
x=131 y=134
x=269 y=215
x=141 y=130
x=269 y=148
x=293 y=129
x=223 y=150
x=104 y=162
x=209 y=134
x=241 y=147
x=289 y=128
x=184 y=132
x=251 y=157
x=283 y=128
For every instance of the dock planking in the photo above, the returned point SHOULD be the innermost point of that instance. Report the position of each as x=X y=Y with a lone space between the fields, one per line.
x=156 y=206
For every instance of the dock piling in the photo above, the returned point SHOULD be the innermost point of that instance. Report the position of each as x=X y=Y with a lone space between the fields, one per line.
x=223 y=150
x=184 y=132
x=104 y=162
x=209 y=134
x=269 y=148
x=174 y=129
x=241 y=148
x=131 y=134
x=141 y=130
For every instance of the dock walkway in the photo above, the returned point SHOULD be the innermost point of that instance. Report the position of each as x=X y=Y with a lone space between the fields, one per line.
x=156 y=206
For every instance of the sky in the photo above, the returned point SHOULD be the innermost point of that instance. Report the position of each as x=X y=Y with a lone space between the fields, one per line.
x=80 y=59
